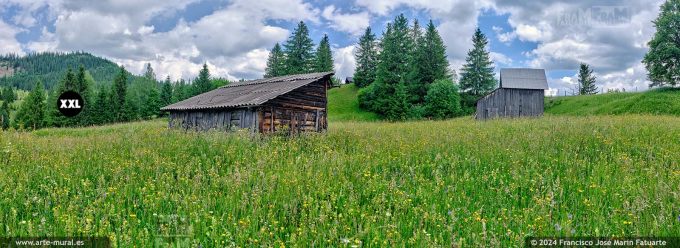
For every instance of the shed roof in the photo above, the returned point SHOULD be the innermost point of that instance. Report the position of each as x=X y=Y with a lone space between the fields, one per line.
x=247 y=93
x=523 y=78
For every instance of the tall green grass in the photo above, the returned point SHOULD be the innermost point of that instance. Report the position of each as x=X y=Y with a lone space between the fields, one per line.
x=422 y=184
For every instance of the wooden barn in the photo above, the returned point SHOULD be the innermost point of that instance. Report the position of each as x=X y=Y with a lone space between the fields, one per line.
x=521 y=93
x=293 y=103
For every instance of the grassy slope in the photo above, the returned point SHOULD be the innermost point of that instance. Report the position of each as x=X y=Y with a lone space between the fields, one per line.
x=661 y=101
x=415 y=184
x=343 y=105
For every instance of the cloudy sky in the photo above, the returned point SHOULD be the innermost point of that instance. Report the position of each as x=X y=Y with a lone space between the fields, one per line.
x=233 y=37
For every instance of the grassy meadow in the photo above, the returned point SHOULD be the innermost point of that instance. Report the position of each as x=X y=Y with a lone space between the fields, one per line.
x=362 y=184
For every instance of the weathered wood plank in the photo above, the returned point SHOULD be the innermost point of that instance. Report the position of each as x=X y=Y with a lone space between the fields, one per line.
x=510 y=103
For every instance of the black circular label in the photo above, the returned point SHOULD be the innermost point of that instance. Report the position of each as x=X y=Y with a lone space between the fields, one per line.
x=70 y=103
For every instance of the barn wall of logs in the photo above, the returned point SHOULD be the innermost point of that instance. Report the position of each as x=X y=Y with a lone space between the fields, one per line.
x=219 y=119
x=301 y=110
x=511 y=103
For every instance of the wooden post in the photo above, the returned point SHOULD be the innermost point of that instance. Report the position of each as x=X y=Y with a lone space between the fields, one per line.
x=255 y=119
x=291 y=124
x=227 y=119
x=304 y=123
x=260 y=118
x=169 y=119
x=244 y=118
x=271 y=123
x=316 y=121
x=325 y=107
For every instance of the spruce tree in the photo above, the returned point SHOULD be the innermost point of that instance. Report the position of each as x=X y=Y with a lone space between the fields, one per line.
x=4 y=115
x=166 y=93
x=180 y=91
x=151 y=107
x=429 y=63
x=299 y=50
x=53 y=116
x=118 y=95
x=416 y=34
x=366 y=55
x=218 y=82
x=663 y=58
x=100 y=113
x=389 y=96
x=149 y=73
x=69 y=81
x=83 y=83
x=202 y=83
x=108 y=117
x=31 y=113
x=324 y=56
x=2 y=93
x=130 y=111
x=398 y=106
x=586 y=80
x=145 y=94
x=8 y=95
x=477 y=75
x=395 y=57
x=275 y=63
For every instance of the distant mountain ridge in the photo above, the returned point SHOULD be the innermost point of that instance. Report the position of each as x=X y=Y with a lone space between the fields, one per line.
x=49 y=67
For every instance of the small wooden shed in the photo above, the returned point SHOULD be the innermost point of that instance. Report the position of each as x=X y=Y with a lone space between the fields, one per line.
x=293 y=103
x=521 y=93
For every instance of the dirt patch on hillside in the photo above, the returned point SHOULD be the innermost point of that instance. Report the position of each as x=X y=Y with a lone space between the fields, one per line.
x=6 y=69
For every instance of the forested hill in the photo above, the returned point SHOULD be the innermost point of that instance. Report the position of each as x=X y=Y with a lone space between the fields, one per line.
x=49 y=67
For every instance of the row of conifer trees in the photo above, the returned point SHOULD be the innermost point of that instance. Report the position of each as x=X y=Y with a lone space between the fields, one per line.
x=127 y=98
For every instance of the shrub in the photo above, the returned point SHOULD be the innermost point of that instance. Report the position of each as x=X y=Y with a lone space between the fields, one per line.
x=442 y=100
x=468 y=102
x=367 y=97
x=417 y=111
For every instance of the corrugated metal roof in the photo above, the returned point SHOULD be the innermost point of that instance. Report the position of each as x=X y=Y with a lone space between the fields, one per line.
x=523 y=78
x=247 y=93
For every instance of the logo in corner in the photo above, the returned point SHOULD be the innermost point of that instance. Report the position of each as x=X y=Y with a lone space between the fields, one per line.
x=70 y=103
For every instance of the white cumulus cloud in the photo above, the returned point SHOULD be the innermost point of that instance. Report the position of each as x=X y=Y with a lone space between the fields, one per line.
x=344 y=61
x=350 y=23
x=235 y=37
x=8 y=40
